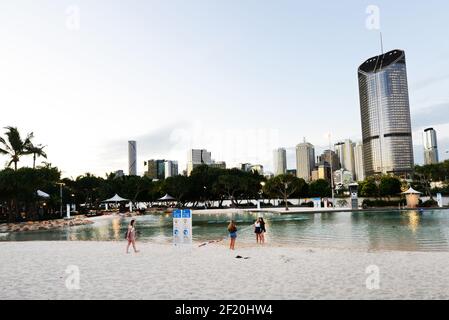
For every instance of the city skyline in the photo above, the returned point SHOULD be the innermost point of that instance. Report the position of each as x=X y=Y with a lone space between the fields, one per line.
x=201 y=81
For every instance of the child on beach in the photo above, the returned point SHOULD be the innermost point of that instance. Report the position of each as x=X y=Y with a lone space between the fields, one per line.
x=232 y=229
x=131 y=236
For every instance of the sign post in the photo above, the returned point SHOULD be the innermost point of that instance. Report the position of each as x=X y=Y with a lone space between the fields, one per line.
x=177 y=227
x=182 y=226
x=440 y=200
x=316 y=203
x=354 y=190
x=186 y=225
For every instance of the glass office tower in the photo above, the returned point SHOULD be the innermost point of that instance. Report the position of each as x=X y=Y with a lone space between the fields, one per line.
x=430 y=146
x=385 y=115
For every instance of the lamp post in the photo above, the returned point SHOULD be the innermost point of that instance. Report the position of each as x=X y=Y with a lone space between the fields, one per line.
x=205 y=200
x=262 y=184
x=332 y=170
x=73 y=201
x=60 y=195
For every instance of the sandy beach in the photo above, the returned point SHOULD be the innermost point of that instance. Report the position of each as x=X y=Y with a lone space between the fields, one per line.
x=40 y=270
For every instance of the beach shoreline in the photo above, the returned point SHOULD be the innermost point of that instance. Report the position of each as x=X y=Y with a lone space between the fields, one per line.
x=41 y=270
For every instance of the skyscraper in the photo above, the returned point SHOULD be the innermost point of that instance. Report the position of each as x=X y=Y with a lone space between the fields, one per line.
x=305 y=160
x=170 y=168
x=197 y=157
x=331 y=158
x=430 y=146
x=280 y=161
x=345 y=152
x=358 y=161
x=348 y=155
x=340 y=151
x=155 y=169
x=132 y=158
x=385 y=115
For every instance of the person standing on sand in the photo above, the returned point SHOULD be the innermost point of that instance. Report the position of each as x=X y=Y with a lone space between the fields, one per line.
x=257 y=229
x=232 y=229
x=131 y=236
x=262 y=230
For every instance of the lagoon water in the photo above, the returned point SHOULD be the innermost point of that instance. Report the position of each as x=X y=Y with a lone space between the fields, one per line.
x=393 y=230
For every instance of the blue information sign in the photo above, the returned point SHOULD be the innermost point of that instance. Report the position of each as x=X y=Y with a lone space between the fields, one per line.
x=186 y=213
x=177 y=213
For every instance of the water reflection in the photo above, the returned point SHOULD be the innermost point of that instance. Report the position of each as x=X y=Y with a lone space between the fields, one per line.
x=391 y=230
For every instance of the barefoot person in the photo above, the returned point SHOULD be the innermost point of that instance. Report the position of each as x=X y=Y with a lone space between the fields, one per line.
x=131 y=236
x=232 y=229
x=257 y=229
x=262 y=230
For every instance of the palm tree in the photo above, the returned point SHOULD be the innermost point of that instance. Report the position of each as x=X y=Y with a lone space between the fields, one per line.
x=36 y=151
x=15 y=146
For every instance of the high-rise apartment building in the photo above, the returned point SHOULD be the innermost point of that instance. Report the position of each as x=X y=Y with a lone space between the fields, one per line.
x=170 y=168
x=305 y=160
x=358 y=161
x=345 y=153
x=132 y=158
x=430 y=146
x=385 y=115
x=155 y=169
x=280 y=161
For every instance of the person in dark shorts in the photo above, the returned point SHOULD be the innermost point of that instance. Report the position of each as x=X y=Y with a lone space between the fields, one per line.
x=257 y=229
x=232 y=229
x=262 y=230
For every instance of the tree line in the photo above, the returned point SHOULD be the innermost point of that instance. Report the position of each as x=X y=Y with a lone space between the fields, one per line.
x=19 y=199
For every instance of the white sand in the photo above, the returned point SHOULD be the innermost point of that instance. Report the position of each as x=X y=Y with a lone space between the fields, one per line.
x=36 y=270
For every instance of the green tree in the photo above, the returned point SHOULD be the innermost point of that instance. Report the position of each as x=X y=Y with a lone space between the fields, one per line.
x=14 y=146
x=320 y=188
x=36 y=151
x=178 y=187
x=389 y=186
x=369 y=188
x=283 y=186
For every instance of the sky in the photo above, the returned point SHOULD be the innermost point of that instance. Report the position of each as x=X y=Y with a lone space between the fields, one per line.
x=239 y=78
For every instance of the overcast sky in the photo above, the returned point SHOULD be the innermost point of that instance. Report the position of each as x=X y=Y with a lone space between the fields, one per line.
x=238 y=78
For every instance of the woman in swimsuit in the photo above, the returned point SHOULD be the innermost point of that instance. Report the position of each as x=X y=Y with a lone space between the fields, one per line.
x=232 y=229
x=131 y=236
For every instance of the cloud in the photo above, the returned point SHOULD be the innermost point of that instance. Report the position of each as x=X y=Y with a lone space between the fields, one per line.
x=431 y=116
x=429 y=81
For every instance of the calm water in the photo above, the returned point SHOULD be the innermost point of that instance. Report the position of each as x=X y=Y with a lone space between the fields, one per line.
x=407 y=230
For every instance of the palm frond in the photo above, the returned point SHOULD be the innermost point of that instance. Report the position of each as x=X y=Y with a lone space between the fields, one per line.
x=5 y=144
x=14 y=139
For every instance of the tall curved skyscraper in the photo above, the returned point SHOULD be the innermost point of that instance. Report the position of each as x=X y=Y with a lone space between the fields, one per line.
x=385 y=115
x=132 y=158
x=430 y=146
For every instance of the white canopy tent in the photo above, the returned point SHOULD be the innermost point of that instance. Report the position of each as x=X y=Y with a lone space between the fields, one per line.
x=167 y=197
x=115 y=198
x=42 y=194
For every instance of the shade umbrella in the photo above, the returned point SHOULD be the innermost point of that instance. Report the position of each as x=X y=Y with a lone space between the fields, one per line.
x=115 y=198
x=167 y=197
x=411 y=191
x=42 y=194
